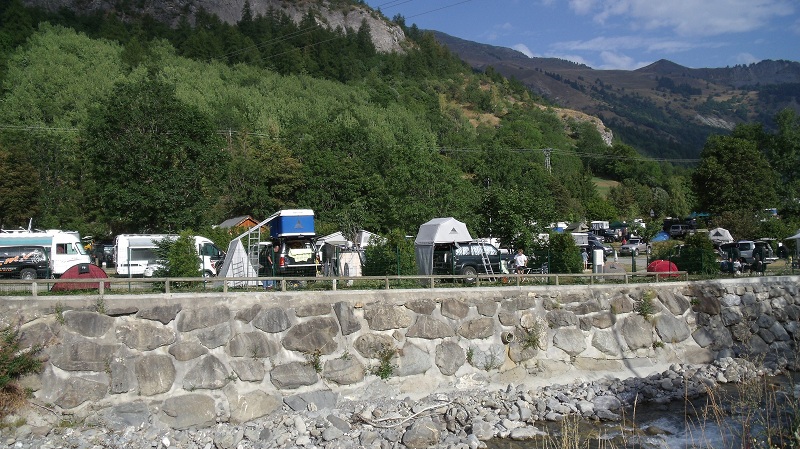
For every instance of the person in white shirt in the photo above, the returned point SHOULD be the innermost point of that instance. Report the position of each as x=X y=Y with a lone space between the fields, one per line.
x=520 y=261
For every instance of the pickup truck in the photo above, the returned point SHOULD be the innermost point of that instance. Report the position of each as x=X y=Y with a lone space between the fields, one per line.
x=467 y=259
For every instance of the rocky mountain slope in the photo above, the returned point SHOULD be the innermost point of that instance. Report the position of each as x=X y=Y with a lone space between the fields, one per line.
x=665 y=109
x=386 y=36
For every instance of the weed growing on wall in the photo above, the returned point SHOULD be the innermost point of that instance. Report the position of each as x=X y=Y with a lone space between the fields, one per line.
x=385 y=368
x=645 y=306
x=14 y=363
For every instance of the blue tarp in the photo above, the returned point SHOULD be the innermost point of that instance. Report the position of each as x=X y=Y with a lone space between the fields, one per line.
x=660 y=237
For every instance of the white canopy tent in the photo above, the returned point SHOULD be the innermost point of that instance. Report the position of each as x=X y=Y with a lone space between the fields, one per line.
x=438 y=230
x=720 y=236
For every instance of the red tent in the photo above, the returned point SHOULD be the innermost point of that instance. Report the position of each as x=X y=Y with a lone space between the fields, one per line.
x=662 y=266
x=81 y=271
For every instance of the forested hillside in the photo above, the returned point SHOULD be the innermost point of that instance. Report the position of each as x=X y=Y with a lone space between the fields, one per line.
x=109 y=127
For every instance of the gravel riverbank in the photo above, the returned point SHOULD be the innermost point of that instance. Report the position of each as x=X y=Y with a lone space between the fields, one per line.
x=378 y=417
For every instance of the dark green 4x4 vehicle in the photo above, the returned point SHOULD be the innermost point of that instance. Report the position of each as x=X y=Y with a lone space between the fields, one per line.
x=468 y=259
x=24 y=262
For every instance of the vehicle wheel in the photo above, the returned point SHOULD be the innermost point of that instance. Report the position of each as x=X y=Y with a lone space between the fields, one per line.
x=649 y=250
x=208 y=274
x=27 y=274
x=471 y=274
x=635 y=253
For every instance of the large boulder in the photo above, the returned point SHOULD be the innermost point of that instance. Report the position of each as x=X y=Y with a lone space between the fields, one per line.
x=201 y=318
x=155 y=374
x=208 y=373
x=272 y=320
x=382 y=317
x=638 y=332
x=450 y=357
x=429 y=328
x=144 y=336
x=187 y=411
x=343 y=371
x=293 y=375
x=88 y=324
x=313 y=336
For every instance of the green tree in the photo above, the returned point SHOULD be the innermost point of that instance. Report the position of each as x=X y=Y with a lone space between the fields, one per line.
x=697 y=256
x=733 y=176
x=393 y=256
x=178 y=257
x=565 y=256
x=19 y=189
x=154 y=160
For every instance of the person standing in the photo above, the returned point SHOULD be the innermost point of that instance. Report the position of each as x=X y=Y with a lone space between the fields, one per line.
x=520 y=261
x=585 y=257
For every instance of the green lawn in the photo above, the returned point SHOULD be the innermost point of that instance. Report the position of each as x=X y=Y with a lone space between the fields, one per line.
x=604 y=185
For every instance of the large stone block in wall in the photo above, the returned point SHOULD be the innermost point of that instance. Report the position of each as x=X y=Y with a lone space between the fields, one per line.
x=88 y=324
x=208 y=373
x=252 y=344
x=348 y=323
x=215 y=336
x=187 y=411
x=80 y=354
x=609 y=342
x=450 y=357
x=478 y=328
x=201 y=318
x=293 y=375
x=71 y=391
x=371 y=346
x=313 y=336
x=621 y=304
x=430 y=328
x=272 y=320
x=670 y=328
x=707 y=300
x=486 y=307
x=163 y=314
x=385 y=317
x=249 y=370
x=571 y=341
x=314 y=309
x=676 y=303
x=248 y=314
x=413 y=360
x=638 y=332
x=187 y=350
x=343 y=371
x=155 y=374
x=561 y=318
x=39 y=333
x=144 y=336
x=454 y=309
x=252 y=405
x=421 y=306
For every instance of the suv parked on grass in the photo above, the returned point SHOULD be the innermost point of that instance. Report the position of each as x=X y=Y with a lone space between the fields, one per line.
x=747 y=249
x=24 y=262
x=680 y=231
x=467 y=259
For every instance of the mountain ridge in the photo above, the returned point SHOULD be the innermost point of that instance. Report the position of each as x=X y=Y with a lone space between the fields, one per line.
x=663 y=109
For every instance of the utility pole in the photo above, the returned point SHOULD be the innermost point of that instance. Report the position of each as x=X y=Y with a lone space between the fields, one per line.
x=547 y=152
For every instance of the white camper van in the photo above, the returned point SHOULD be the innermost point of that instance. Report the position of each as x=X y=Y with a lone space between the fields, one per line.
x=135 y=255
x=65 y=247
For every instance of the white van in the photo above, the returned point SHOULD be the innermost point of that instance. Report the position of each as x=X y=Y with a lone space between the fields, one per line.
x=135 y=255
x=64 y=247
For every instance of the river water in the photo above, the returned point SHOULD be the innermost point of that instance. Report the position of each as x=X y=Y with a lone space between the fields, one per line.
x=749 y=415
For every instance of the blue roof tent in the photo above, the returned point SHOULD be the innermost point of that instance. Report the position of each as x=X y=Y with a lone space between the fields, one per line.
x=660 y=237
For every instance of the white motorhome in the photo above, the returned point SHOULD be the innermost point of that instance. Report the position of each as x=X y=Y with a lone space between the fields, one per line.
x=65 y=247
x=135 y=254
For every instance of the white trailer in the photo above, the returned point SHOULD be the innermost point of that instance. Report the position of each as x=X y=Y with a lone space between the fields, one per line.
x=135 y=254
x=65 y=247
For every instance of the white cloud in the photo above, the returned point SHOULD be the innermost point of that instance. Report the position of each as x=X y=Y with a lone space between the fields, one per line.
x=746 y=58
x=522 y=48
x=687 y=17
x=618 y=61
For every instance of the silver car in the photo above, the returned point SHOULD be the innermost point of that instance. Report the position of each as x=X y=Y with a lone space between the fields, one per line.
x=635 y=245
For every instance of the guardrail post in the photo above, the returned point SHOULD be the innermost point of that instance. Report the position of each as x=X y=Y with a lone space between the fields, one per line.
x=225 y=286
x=34 y=288
x=101 y=287
x=557 y=280
x=626 y=278
x=166 y=287
x=386 y=279
x=283 y=285
x=333 y=285
x=432 y=281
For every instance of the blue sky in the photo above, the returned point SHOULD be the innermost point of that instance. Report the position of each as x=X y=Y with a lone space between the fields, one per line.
x=618 y=34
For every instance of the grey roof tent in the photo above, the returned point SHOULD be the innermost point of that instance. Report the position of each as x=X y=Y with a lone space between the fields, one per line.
x=438 y=230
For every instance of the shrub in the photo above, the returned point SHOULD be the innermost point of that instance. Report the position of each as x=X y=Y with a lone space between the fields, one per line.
x=14 y=363
x=565 y=256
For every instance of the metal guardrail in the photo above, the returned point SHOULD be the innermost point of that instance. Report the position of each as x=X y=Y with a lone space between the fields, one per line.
x=36 y=287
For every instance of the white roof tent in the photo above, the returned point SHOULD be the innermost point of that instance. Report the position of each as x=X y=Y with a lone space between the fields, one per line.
x=241 y=261
x=438 y=230
x=720 y=236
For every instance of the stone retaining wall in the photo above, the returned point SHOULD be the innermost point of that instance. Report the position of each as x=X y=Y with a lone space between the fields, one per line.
x=206 y=358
